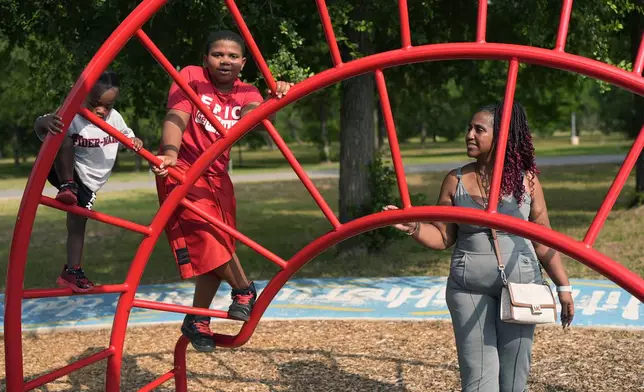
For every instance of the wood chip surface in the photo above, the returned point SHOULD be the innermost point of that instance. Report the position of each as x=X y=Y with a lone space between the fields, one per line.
x=329 y=356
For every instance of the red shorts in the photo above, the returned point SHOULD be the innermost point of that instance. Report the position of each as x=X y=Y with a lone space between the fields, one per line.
x=198 y=246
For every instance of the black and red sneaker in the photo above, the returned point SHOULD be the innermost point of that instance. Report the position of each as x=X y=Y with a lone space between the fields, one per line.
x=67 y=193
x=75 y=279
x=243 y=302
x=197 y=330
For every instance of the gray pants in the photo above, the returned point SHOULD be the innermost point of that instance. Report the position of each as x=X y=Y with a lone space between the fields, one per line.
x=493 y=356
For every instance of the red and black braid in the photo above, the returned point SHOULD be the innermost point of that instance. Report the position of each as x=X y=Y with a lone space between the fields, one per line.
x=519 y=152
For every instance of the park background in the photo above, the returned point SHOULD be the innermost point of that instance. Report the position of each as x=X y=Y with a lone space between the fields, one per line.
x=45 y=45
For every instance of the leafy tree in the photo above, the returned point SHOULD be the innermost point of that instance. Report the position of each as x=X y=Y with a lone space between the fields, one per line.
x=429 y=99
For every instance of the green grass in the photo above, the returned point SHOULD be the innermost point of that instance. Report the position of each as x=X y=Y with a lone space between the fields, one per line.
x=265 y=161
x=283 y=218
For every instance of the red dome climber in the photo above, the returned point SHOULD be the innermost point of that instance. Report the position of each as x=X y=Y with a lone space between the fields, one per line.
x=555 y=58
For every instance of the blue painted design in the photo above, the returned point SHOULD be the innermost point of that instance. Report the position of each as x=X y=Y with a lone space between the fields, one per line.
x=598 y=303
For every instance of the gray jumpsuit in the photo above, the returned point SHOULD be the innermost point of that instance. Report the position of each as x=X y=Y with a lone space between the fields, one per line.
x=493 y=356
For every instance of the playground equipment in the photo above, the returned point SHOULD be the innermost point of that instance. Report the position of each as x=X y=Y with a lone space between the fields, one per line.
x=581 y=250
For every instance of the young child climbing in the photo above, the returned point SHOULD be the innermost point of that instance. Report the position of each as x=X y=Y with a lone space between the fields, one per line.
x=201 y=250
x=83 y=165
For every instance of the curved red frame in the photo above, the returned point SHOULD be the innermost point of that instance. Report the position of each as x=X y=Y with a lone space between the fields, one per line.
x=556 y=58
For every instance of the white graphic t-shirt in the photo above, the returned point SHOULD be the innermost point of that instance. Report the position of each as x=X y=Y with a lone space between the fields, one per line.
x=94 y=150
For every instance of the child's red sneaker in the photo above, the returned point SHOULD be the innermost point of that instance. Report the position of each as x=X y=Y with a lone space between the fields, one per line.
x=197 y=329
x=75 y=279
x=67 y=193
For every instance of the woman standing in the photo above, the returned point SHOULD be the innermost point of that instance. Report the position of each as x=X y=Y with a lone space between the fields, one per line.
x=493 y=355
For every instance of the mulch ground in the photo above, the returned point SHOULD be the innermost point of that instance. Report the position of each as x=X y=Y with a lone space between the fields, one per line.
x=339 y=356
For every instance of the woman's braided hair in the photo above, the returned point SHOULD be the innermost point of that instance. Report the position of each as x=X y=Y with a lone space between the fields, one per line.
x=519 y=152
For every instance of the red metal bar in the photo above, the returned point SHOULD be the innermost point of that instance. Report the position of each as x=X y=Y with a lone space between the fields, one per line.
x=49 y=377
x=127 y=142
x=614 y=190
x=560 y=60
x=405 y=35
x=180 y=377
x=501 y=143
x=239 y=236
x=169 y=68
x=137 y=267
x=328 y=32
x=110 y=130
x=67 y=292
x=549 y=58
x=399 y=168
x=564 y=21
x=481 y=22
x=301 y=174
x=159 y=381
x=441 y=52
x=164 y=307
x=95 y=215
x=639 y=60
x=252 y=45
x=619 y=274
x=36 y=183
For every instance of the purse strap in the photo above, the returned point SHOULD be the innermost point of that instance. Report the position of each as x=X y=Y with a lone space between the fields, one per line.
x=499 y=259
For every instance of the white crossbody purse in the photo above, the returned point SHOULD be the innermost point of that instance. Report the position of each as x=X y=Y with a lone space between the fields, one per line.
x=524 y=303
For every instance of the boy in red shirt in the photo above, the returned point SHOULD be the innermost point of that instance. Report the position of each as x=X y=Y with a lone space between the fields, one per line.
x=200 y=249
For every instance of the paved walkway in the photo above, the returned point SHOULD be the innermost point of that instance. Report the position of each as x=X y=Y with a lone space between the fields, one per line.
x=116 y=186
x=599 y=303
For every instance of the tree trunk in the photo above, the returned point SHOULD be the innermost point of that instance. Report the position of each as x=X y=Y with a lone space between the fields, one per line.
x=356 y=133
x=269 y=141
x=239 y=152
x=381 y=129
x=15 y=146
x=638 y=108
x=356 y=144
x=294 y=135
x=324 y=133
x=639 y=178
x=423 y=134
x=292 y=126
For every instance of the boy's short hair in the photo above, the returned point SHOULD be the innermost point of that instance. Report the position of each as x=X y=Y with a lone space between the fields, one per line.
x=109 y=78
x=106 y=81
x=225 y=35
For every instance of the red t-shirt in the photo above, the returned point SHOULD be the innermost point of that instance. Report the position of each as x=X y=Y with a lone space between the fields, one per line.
x=199 y=133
